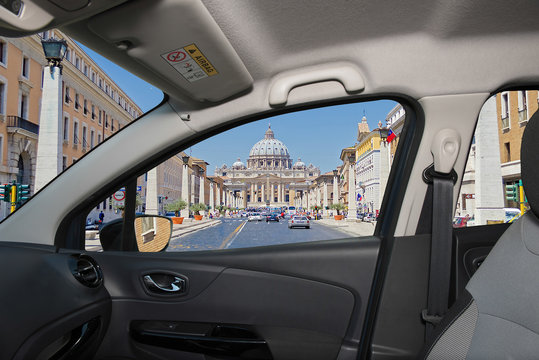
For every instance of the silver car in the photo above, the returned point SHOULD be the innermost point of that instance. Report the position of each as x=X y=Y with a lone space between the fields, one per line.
x=299 y=221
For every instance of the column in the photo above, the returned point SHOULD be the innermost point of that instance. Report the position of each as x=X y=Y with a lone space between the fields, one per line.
x=351 y=193
x=244 y=198
x=218 y=195
x=280 y=193
x=489 y=194
x=152 y=206
x=193 y=177
x=212 y=201
x=325 y=198
x=268 y=199
x=262 y=194
x=291 y=197
x=335 y=189
x=201 y=195
x=185 y=190
x=49 y=150
x=252 y=197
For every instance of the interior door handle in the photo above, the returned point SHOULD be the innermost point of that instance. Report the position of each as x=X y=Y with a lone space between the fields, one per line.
x=164 y=283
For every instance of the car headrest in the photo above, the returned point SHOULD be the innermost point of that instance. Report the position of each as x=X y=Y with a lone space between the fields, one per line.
x=529 y=162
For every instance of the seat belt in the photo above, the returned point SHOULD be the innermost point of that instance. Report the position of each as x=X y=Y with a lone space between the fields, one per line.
x=444 y=149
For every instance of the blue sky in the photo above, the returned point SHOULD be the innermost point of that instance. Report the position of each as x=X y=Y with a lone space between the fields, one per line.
x=316 y=136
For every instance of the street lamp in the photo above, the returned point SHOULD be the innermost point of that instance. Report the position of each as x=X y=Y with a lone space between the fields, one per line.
x=383 y=134
x=54 y=50
x=185 y=159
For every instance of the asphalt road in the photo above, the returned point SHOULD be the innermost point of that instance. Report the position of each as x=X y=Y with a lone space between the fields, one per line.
x=239 y=233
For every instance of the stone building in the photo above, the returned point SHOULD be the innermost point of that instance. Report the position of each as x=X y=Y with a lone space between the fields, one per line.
x=270 y=177
x=93 y=107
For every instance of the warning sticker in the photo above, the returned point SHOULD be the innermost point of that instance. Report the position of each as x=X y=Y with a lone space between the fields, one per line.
x=190 y=63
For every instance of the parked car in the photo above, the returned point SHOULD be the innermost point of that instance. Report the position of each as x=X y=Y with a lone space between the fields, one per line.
x=255 y=217
x=299 y=222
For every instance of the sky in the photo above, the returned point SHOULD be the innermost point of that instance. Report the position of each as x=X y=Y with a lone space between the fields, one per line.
x=316 y=136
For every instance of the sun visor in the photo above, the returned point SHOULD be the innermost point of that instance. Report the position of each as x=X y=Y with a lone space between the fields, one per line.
x=180 y=41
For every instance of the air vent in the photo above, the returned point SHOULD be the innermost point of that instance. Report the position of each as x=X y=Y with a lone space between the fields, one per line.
x=86 y=270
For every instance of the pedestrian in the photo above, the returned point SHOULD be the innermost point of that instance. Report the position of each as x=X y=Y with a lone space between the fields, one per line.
x=101 y=216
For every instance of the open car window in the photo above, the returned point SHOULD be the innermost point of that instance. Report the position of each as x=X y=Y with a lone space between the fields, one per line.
x=261 y=183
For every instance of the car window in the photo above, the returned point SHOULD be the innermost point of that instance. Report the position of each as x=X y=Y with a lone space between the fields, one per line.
x=241 y=188
x=491 y=190
x=95 y=100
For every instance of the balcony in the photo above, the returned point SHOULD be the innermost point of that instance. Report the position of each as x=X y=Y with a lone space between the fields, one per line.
x=16 y=123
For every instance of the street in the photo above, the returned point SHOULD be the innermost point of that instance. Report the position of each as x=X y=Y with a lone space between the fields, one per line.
x=239 y=233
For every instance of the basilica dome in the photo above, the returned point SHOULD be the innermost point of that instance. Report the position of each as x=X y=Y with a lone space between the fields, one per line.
x=269 y=146
x=269 y=153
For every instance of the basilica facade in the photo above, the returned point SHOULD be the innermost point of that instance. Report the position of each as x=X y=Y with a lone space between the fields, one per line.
x=269 y=177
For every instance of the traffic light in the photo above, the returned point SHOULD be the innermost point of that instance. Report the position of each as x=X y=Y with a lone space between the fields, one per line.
x=511 y=192
x=22 y=191
x=5 y=192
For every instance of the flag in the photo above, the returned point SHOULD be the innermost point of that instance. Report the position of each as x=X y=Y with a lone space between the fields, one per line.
x=391 y=136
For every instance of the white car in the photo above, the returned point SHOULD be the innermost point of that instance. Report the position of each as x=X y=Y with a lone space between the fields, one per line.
x=299 y=222
x=255 y=217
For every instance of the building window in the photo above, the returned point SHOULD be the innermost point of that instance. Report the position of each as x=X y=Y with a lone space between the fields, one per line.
x=505 y=110
x=64 y=162
x=98 y=138
x=92 y=135
x=522 y=106
x=100 y=116
x=93 y=77
x=25 y=67
x=75 y=132
x=2 y=98
x=23 y=108
x=67 y=98
x=111 y=124
x=77 y=104
x=93 y=112
x=85 y=108
x=68 y=55
x=66 y=129
x=3 y=53
x=100 y=84
x=84 y=141
x=85 y=70
x=77 y=62
x=507 y=151
x=106 y=121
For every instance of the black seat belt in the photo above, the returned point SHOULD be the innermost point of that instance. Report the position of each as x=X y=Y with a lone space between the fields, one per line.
x=441 y=247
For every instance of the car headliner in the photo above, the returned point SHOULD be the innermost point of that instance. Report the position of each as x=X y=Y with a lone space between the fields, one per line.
x=416 y=48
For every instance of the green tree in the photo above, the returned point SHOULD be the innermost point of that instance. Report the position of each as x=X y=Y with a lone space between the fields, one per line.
x=176 y=206
x=197 y=208
x=337 y=206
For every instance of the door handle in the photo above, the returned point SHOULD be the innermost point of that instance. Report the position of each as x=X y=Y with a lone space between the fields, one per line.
x=164 y=283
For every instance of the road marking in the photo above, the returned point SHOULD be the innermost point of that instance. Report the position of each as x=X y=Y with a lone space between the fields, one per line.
x=230 y=238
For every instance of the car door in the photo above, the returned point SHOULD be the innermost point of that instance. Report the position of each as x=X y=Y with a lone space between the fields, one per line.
x=307 y=300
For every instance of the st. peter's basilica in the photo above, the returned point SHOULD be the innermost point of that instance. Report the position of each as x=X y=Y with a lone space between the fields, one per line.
x=269 y=179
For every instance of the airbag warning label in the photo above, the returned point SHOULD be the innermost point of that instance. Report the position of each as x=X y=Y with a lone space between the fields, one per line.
x=190 y=63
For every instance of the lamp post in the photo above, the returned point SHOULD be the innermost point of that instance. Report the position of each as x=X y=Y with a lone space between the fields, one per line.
x=351 y=189
x=49 y=150
x=185 y=186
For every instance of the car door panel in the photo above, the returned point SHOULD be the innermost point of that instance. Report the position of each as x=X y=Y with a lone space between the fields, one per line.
x=306 y=301
x=46 y=312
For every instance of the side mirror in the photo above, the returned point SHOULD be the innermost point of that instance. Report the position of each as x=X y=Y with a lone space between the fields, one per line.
x=152 y=232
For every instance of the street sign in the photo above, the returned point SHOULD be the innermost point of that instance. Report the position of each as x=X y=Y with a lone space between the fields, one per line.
x=119 y=195
x=119 y=198
x=139 y=188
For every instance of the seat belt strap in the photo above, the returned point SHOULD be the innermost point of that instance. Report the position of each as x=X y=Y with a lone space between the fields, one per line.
x=441 y=246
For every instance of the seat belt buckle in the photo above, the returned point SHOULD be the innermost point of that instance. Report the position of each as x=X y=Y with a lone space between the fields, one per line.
x=431 y=319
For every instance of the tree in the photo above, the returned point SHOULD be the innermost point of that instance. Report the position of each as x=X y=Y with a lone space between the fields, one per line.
x=337 y=206
x=197 y=208
x=176 y=206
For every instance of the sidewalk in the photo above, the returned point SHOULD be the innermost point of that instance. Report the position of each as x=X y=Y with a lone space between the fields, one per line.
x=354 y=228
x=191 y=225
